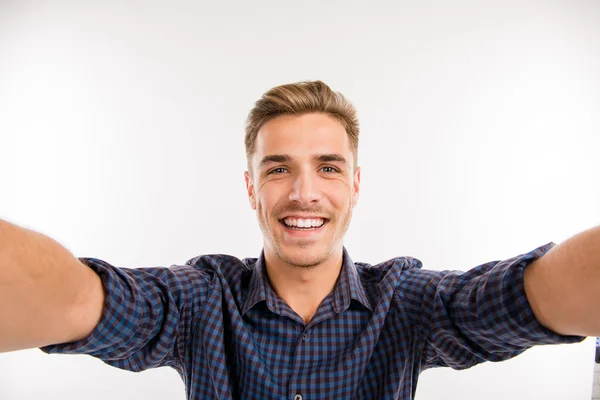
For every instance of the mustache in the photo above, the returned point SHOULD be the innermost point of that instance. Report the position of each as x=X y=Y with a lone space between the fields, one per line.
x=298 y=208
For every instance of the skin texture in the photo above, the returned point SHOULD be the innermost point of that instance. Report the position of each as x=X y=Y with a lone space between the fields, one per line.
x=562 y=286
x=303 y=268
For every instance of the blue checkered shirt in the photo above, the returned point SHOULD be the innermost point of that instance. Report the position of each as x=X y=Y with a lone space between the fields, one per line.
x=219 y=323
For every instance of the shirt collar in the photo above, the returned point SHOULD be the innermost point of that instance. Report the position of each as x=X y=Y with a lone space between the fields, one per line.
x=348 y=286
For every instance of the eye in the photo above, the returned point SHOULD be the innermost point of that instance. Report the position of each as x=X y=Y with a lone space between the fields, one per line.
x=278 y=170
x=329 y=169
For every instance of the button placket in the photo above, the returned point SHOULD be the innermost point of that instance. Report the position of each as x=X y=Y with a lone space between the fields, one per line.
x=298 y=396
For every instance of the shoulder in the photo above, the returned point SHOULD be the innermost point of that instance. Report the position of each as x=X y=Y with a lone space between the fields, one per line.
x=229 y=270
x=389 y=272
x=398 y=279
x=405 y=278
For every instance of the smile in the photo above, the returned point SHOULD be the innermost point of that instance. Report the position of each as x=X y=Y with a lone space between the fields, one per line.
x=303 y=227
x=303 y=223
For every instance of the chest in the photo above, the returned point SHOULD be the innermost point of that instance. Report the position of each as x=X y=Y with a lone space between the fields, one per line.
x=354 y=354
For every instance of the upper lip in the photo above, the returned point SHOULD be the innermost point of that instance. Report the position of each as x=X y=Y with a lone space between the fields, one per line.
x=303 y=216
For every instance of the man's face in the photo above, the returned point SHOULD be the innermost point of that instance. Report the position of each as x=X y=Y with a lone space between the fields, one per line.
x=303 y=187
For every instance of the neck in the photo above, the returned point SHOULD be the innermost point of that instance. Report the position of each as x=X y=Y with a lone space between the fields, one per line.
x=303 y=288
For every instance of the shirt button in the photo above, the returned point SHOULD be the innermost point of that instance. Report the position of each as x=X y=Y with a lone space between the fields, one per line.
x=298 y=397
x=304 y=336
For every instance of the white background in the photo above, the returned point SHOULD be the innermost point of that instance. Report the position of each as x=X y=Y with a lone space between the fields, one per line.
x=121 y=130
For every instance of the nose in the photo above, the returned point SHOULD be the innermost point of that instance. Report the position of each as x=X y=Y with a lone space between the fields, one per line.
x=305 y=189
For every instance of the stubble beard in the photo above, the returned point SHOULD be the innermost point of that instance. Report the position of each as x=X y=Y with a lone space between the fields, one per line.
x=308 y=259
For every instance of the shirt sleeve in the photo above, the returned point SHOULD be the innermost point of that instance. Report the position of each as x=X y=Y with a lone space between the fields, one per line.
x=147 y=315
x=480 y=315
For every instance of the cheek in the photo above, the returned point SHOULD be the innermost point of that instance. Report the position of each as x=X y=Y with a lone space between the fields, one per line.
x=342 y=197
x=261 y=205
x=264 y=205
x=269 y=197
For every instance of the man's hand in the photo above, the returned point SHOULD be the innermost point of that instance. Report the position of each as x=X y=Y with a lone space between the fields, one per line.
x=47 y=296
x=563 y=286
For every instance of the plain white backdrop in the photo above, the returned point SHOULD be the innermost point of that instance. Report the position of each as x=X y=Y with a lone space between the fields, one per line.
x=121 y=136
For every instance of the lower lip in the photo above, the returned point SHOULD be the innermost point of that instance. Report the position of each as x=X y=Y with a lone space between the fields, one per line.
x=303 y=233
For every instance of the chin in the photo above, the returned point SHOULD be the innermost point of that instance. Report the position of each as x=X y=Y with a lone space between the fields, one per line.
x=310 y=255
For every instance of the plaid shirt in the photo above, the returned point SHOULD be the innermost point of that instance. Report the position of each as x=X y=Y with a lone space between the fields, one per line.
x=219 y=323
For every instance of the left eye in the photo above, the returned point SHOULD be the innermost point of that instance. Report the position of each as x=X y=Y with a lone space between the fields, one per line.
x=329 y=169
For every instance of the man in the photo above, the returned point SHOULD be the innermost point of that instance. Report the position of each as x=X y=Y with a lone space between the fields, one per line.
x=302 y=321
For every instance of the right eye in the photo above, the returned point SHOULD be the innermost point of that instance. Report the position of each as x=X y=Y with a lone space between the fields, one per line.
x=277 y=171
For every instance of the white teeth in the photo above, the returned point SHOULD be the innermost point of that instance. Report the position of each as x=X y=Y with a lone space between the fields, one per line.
x=304 y=223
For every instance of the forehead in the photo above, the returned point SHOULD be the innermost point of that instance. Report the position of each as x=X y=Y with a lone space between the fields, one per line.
x=302 y=135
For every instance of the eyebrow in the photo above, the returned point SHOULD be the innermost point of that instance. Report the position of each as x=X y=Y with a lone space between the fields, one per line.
x=281 y=158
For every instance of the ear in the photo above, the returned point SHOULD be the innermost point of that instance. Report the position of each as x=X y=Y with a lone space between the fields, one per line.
x=250 y=190
x=356 y=187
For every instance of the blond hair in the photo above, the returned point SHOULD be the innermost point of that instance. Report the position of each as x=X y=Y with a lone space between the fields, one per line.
x=301 y=98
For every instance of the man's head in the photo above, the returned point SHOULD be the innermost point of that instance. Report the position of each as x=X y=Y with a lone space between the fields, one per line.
x=302 y=147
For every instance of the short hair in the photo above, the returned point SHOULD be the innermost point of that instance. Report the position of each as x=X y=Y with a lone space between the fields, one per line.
x=297 y=99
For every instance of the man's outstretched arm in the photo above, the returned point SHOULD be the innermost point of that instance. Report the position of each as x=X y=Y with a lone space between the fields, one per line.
x=47 y=295
x=563 y=286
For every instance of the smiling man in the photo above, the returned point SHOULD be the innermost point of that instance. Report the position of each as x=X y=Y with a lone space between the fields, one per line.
x=303 y=183
x=302 y=321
